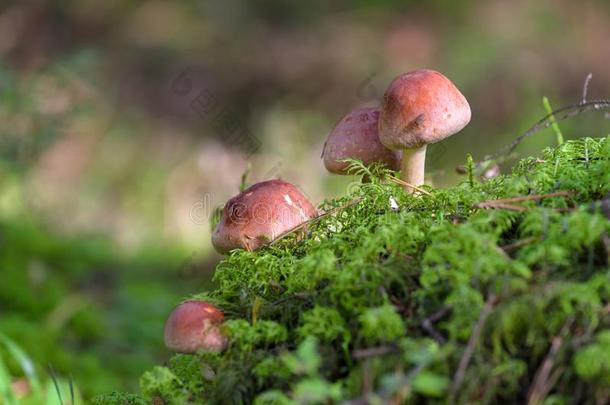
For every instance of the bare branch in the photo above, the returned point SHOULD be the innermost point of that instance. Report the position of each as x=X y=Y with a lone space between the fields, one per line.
x=404 y=183
x=532 y=197
x=545 y=377
x=585 y=88
x=472 y=343
x=518 y=244
x=506 y=203
x=560 y=114
x=374 y=352
x=428 y=324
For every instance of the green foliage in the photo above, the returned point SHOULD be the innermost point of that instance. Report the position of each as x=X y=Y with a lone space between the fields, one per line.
x=381 y=324
x=262 y=334
x=59 y=300
x=593 y=361
x=324 y=323
x=305 y=360
x=162 y=382
x=35 y=388
x=549 y=110
x=349 y=312
x=118 y=398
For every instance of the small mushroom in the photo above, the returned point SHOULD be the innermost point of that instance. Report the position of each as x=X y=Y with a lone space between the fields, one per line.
x=420 y=108
x=195 y=326
x=491 y=172
x=21 y=387
x=356 y=136
x=259 y=214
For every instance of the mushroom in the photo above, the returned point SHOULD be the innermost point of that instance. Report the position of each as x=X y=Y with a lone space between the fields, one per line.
x=259 y=214
x=420 y=108
x=356 y=136
x=195 y=326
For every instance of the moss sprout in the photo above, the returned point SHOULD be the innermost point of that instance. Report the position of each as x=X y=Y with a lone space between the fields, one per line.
x=351 y=311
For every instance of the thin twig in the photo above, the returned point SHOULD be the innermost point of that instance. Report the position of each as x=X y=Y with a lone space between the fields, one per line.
x=404 y=183
x=533 y=197
x=284 y=299
x=518 y=244
x=374 y=352
x=367 y=380
x=405 y=386
x=543 y=379
x=492 y=204
x=601 y=206
x=585 y=88
x=560 y=114
x=428 y=324
x=506 y=202
x=316 y=219
x=606 y=242
x=472 y=343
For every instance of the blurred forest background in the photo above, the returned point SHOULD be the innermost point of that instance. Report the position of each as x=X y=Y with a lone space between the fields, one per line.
x=125 y=123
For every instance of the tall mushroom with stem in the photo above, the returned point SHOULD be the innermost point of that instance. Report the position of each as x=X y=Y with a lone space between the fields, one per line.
x=420 y=108
x=259 y=214
x=356 y=136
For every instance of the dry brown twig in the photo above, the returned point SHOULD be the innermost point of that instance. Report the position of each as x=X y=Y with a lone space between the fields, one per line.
x=606 y=242
x=585 y=88
x=508 y=203
x=545 y=377
x=559 y=114
x=428 y=324
x=313 y=220
x=472 y=343
x=602 y=206
x=374 y=352
x=399 y=396
x=404 y=183
x=518 y=244
x=300 y=295
x=500 y=205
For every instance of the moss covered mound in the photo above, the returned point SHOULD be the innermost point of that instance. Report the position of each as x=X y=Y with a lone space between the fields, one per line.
x=451 y=297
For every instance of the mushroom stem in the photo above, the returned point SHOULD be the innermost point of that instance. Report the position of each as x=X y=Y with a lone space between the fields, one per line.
x=412 y=166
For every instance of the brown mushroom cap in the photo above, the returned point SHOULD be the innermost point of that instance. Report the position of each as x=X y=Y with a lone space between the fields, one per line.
x=259 y=214
x=194 y=326
x=420 y=108
x=356 y=136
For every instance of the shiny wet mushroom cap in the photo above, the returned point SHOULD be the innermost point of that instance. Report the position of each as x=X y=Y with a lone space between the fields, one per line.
x=356 y=136
x=420 y=108
x=259 y=214
x=195 y=326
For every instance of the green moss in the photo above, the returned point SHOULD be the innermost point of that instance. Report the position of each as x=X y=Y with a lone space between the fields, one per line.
x=381 y=324
x=592 y=362
x=323 y=323
x=246 y=337
x=117 y=398
x=162 y=382
x=60 y=302
x=351 y=309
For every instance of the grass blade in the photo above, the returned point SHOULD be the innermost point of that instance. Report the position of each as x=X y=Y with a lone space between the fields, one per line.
x=6 y=392
x=554 y=125
x=61 y=401
x=25 y=363
x=71 y=383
